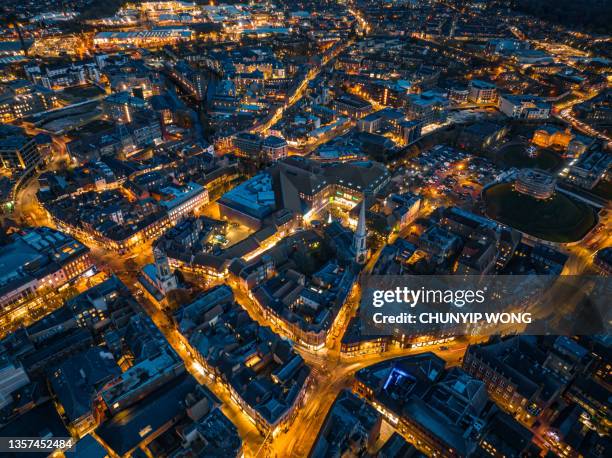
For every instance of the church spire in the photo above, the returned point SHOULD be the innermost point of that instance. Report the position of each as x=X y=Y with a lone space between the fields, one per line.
x=361 y=234
x=165 y=278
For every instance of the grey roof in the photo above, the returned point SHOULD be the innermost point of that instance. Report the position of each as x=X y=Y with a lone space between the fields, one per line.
x=77 y=379
x=126 y=431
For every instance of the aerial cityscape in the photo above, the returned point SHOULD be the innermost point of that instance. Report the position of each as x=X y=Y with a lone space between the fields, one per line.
x=197 y=197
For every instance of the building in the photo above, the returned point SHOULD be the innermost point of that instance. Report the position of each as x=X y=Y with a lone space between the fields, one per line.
x=573 y=145
x=478 y=256
x=127 y=74
x=487 y=245
x=121 y=106
x=385 y=93
x=301 y=282
x=427 y=107
x=353 y=343
x=144 y=377
x=187 y=247
x=482 y=136
x=351 y=426
x=458 y=94
x=104 y=307
x=12 y=378
x=180 y=201
x=441 y=411
x=143 y=38
x=143 y=131
x=174 y=420
x=35 y=262
x=411 y=130
x=375 y=145
x=370 y=123
x=388 y=216
x=482 y=92
x=596 y=111
x=274 y=148
x=263 y=374
x=504 y=436
x=21 y=98
x=535 y=183
x=75 y=384
x=397 y=447
x=248 y=144
x=64 y=74
x=394 y=258
x=124 y=219
x=350 y=181
x=18 y=151
x=42 y=417
x=351 y=106
x=590 y=168
x=526 y=107
x=591 y=395
x=388 y=119
x=547 y=260
x=253 y=273
x=439 y=243
x=213 y=431
x=548 y=136
x=528 y=57
x=123 y=140
x=303 y=186
x=464 y=223
x=504 y=45
x=250 y=202
x=514 y=373
x=246 y=80
x=157 y=278
x=193 y=81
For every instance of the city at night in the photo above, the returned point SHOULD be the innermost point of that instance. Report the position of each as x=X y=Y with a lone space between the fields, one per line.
x=305 y=229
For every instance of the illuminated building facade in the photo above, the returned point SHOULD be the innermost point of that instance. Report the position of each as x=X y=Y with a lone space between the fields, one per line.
x=524 y=107
x=535 y=183
x=144 y=38
x=482 y=92
x=37 y=261
x=17 y=150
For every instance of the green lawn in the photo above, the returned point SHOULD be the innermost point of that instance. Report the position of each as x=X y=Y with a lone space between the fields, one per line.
x=516 y=156
x=559 y=219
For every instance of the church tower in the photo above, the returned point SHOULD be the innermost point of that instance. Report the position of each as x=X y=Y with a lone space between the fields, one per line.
x=166 y=279
x=361 y=234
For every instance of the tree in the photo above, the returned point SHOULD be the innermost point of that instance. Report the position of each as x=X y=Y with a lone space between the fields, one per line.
x=176 y=298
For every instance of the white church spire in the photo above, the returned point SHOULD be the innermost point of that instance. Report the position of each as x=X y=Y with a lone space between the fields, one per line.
x=361 y=234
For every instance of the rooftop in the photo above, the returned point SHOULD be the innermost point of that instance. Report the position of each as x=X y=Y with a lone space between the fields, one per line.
x=254 y=197
x=264 y=370
x=33 y=254
x=76 y=380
